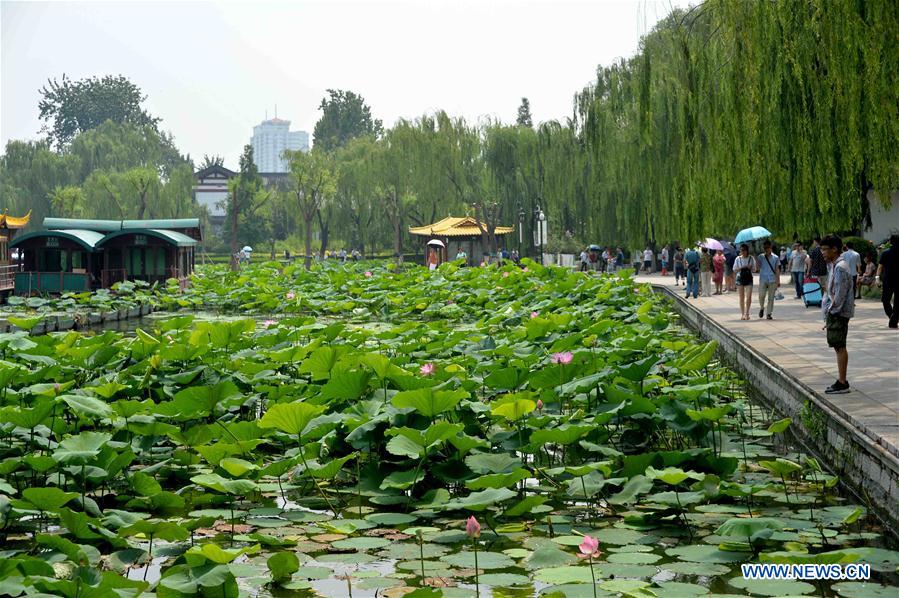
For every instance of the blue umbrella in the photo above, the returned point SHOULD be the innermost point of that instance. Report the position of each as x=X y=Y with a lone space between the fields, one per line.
x=752 y=233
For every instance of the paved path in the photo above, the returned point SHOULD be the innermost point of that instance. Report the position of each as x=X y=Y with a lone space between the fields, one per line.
x=795 y=341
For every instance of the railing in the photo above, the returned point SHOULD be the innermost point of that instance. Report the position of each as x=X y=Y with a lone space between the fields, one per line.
x=8 y=276
x=51 y=282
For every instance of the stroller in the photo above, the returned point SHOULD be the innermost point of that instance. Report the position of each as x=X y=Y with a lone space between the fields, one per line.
x=811 y=292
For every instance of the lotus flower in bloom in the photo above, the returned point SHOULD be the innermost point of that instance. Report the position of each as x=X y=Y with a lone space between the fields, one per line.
x=473 y=528
x=291 y=295
x=562 y=358
x=525 y=269
x=269 y=323
x=534 y=314
x=427 y=369
x=505 y=275
x=367 y=274
x=589 y=548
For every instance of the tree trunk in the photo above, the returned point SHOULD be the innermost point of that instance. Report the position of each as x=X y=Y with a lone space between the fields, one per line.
x=324 y=227
x=307 y=221
x=234 y=230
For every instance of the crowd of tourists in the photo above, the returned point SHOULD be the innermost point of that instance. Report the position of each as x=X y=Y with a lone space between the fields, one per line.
x=830 y=273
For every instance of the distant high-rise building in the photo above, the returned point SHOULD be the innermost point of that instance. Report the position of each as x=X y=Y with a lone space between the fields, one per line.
x=270 y=139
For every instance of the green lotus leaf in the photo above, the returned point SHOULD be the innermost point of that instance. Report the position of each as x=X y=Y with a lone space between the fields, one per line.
x=498 y=480
x=290 y=418
x=48 y=499
x=87 y=406
x=427 y=401
x=282 y=565
x=486 y=560
x=224 y=485
x=564 y=435
x=78 y=450
x=781 y=467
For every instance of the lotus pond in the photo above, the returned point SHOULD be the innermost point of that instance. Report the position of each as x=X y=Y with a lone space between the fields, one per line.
x=340 y=446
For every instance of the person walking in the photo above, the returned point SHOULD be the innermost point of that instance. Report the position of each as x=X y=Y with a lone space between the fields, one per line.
x=663 y=257
x=769 y=279
x=679 y=268
x=691 y=260
x=817 y=266
x=888 y=276
x=744 y=264
x=584 y=260
x=647 y=259
x=797 y=268
x=730 y=285
x=854 y=261
x=838 y=307
x=718 y=267
x=705 y=272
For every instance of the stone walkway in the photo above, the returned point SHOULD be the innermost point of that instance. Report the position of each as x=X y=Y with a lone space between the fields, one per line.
x=796 y=343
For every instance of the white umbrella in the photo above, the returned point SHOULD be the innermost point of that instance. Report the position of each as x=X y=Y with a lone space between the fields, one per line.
x=713 y=244
x=247 y=248
x=436 y=242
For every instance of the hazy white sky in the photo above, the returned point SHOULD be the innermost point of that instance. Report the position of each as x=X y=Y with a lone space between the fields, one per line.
x=212 y=69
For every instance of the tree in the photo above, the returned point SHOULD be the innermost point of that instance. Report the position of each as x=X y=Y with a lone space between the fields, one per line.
x=312 y=182
x=144 y=182
x=210 y=161
x=77 y=106
x=524 y=114
x=67 y=202
x=246 y=197
x=345 y=116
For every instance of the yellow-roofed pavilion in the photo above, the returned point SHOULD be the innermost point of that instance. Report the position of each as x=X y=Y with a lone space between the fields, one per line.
x=457 y=233
x=8 y=227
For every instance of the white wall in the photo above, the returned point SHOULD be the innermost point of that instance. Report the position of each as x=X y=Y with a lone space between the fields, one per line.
x=883 y=222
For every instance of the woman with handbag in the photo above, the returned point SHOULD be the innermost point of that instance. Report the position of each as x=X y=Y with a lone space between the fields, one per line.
x=744 y=265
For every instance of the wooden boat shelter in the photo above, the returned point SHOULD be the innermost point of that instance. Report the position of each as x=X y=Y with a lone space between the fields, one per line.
x=80 y=255
x=456 y=233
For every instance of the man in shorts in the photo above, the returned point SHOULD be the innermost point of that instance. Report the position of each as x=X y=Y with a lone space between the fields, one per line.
x=838 y=306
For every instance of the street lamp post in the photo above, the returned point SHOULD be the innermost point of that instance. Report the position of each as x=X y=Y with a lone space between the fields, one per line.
x=540 y=230
x=520 y=229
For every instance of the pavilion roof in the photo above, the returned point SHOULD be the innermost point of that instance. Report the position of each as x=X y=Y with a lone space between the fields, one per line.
x=7 y=221
x=453 y=226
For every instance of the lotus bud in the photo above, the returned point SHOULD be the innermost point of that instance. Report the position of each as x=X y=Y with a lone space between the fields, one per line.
x=473 y=528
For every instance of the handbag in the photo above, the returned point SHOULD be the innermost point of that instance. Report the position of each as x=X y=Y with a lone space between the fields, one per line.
x=745 y=275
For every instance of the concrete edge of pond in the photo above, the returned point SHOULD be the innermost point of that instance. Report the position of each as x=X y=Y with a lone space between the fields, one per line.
x=78 y=320
x=862 y=459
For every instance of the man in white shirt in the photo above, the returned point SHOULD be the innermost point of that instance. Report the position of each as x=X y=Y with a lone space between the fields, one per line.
x=647 y=259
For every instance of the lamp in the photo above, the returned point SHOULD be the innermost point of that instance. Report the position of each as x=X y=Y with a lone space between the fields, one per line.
x=539 y=230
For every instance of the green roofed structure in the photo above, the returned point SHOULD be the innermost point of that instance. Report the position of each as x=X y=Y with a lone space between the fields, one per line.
x=80 y=255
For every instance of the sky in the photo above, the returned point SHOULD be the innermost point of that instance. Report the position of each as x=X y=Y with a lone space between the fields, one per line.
x=213 y=70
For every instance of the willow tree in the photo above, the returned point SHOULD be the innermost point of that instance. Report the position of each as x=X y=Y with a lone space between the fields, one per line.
x=739 y=113
x=312 y=180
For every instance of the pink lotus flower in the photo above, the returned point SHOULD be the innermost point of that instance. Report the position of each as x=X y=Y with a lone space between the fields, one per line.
x=525 y=269
x=539 y=405
x=291 y=295
x=473 y=528
x=269 y=323
x=505 y=275
x=534 y=314
x=427 y=369
x=589 y=548
x=562 y=358
x=367 y=274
